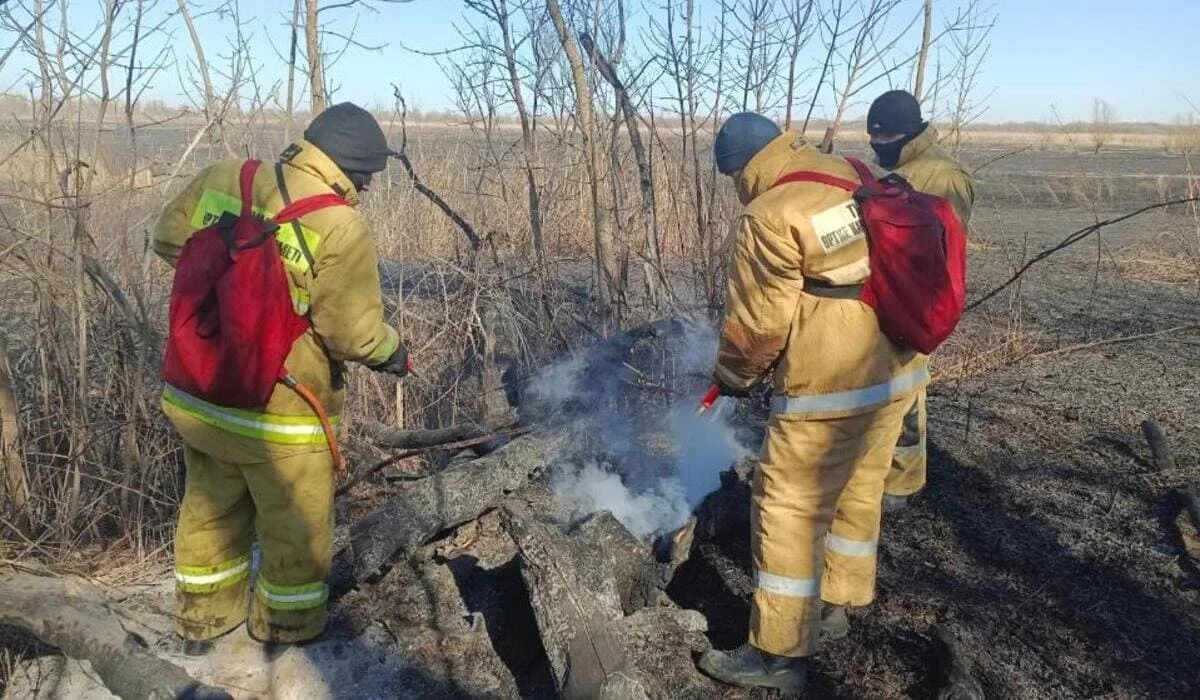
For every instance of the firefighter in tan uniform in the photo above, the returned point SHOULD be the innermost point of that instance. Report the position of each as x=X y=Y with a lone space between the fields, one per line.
x=799 y=258
x=907 y=145
x=269 y=474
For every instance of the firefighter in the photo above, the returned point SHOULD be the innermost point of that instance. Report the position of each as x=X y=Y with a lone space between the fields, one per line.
x=908 y=145
x=798 y=261
x=270 y=474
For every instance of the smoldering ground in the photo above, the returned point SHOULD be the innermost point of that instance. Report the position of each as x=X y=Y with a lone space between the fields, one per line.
x=640 y=451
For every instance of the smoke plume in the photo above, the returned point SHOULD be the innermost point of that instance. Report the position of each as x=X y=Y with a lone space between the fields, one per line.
x=641 y=454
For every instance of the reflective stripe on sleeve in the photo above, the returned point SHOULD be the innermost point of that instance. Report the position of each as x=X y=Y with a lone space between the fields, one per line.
x=294 y=430
x=304 y=596
x=851 y=548
x=206 y=579
x=791 y=587
x=866 y=397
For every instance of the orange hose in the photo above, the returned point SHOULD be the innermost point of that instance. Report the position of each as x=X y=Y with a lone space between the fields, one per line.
x=326 y=425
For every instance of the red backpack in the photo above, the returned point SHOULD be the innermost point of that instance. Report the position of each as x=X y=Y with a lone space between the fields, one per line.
x=918 y=252
x=232 y=324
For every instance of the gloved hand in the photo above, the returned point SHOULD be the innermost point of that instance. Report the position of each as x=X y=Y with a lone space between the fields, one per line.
x=727 y=390
x=398 y=364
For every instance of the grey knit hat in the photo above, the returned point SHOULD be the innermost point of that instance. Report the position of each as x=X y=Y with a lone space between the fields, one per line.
x=351 y=137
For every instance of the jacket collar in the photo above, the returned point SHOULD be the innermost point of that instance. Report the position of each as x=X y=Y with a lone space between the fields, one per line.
x=918 y=146
x=769 y=164
x=306 y=157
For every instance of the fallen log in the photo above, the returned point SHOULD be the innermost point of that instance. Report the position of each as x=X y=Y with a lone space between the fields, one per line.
x=1188 y=521
x=579 y=629
x=1159 y=448
x=476 y=444
x=957 y=669
x=452 y=497
x=65 y=614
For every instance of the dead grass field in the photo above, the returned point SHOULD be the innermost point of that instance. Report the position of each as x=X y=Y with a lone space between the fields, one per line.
x=1043 y=537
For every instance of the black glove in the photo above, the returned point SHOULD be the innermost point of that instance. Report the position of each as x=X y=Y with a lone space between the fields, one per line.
x=726 y=390
x=398 y=364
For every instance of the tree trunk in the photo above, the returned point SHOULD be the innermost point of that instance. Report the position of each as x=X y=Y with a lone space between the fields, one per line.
x=65 y=614
x=16 y=480
x=291 y=81
x=316 y=77
x=655 y=281
x=607 y=283
x=926 y=34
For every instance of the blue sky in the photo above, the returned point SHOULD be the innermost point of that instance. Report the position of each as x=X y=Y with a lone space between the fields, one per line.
x=1046 y=56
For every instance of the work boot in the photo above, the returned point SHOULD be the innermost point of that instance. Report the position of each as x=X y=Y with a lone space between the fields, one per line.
x=749 y=667
x=834 y=623
x=197 y=647
x=892 y=504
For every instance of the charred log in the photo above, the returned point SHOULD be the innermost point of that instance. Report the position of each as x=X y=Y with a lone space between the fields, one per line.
x=64 y=614
x=579 y=628
x=452 y=497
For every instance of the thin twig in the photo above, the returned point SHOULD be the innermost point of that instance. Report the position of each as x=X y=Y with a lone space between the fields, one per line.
x=1071 y=240
x=1120 y=339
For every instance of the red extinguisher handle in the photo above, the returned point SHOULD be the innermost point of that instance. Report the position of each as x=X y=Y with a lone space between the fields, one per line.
x=710 y=397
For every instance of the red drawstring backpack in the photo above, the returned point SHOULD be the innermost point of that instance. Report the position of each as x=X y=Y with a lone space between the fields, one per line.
x=232 y=323
x=918 y=252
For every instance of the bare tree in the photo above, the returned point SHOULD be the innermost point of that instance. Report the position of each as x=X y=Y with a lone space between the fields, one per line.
x=316 y=73
x=799 y=32
x=1103 y=117
x=923 y=54
x=608 y=285
x=969 y=46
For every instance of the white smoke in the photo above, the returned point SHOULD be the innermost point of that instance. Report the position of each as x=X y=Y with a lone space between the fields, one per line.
x=648 y=491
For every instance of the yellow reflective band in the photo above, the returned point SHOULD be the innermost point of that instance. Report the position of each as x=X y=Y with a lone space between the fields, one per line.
x=790 y=587
x=300 y=597
x=851 y=548
x=206 y=579
x=866 y=397
x=214 y=203
x=292 y=430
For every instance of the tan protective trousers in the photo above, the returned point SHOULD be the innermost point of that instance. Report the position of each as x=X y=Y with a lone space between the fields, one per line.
x=817 y=499
x=909 y=460
x=288 y=502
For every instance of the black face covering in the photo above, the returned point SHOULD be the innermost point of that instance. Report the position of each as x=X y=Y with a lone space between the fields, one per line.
x=889 y=153
x=361 y=181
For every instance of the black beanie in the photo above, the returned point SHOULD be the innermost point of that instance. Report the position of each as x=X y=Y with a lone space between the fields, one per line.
x=895 y=112
x=351 y=137
x=740 y=138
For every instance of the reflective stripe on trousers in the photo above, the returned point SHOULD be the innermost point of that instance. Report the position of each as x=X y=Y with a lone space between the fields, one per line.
x=867 y=397
x=292 y=430
x=206 y=579
x=300 y=597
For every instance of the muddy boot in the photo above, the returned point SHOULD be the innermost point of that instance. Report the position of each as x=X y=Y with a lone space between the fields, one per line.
x=892 y=504
x=834 y=623
x=749 y=667
x=197 y=647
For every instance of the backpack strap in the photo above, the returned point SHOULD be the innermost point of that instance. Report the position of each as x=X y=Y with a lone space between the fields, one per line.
x=864 y=174
x=863 y=170
x=246 y=180
x=281 y=183
x=818 y=178
x=308 y=205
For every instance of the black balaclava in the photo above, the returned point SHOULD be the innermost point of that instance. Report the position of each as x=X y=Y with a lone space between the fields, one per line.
x=352 y=139
x=888 y=154
x=894 y=112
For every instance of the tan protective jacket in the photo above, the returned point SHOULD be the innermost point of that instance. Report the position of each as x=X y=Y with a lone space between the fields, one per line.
x=334 y=278
x=829 y=357
x=930 y=168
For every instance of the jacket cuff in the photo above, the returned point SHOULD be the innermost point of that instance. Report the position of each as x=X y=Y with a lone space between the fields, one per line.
x=385 y=348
